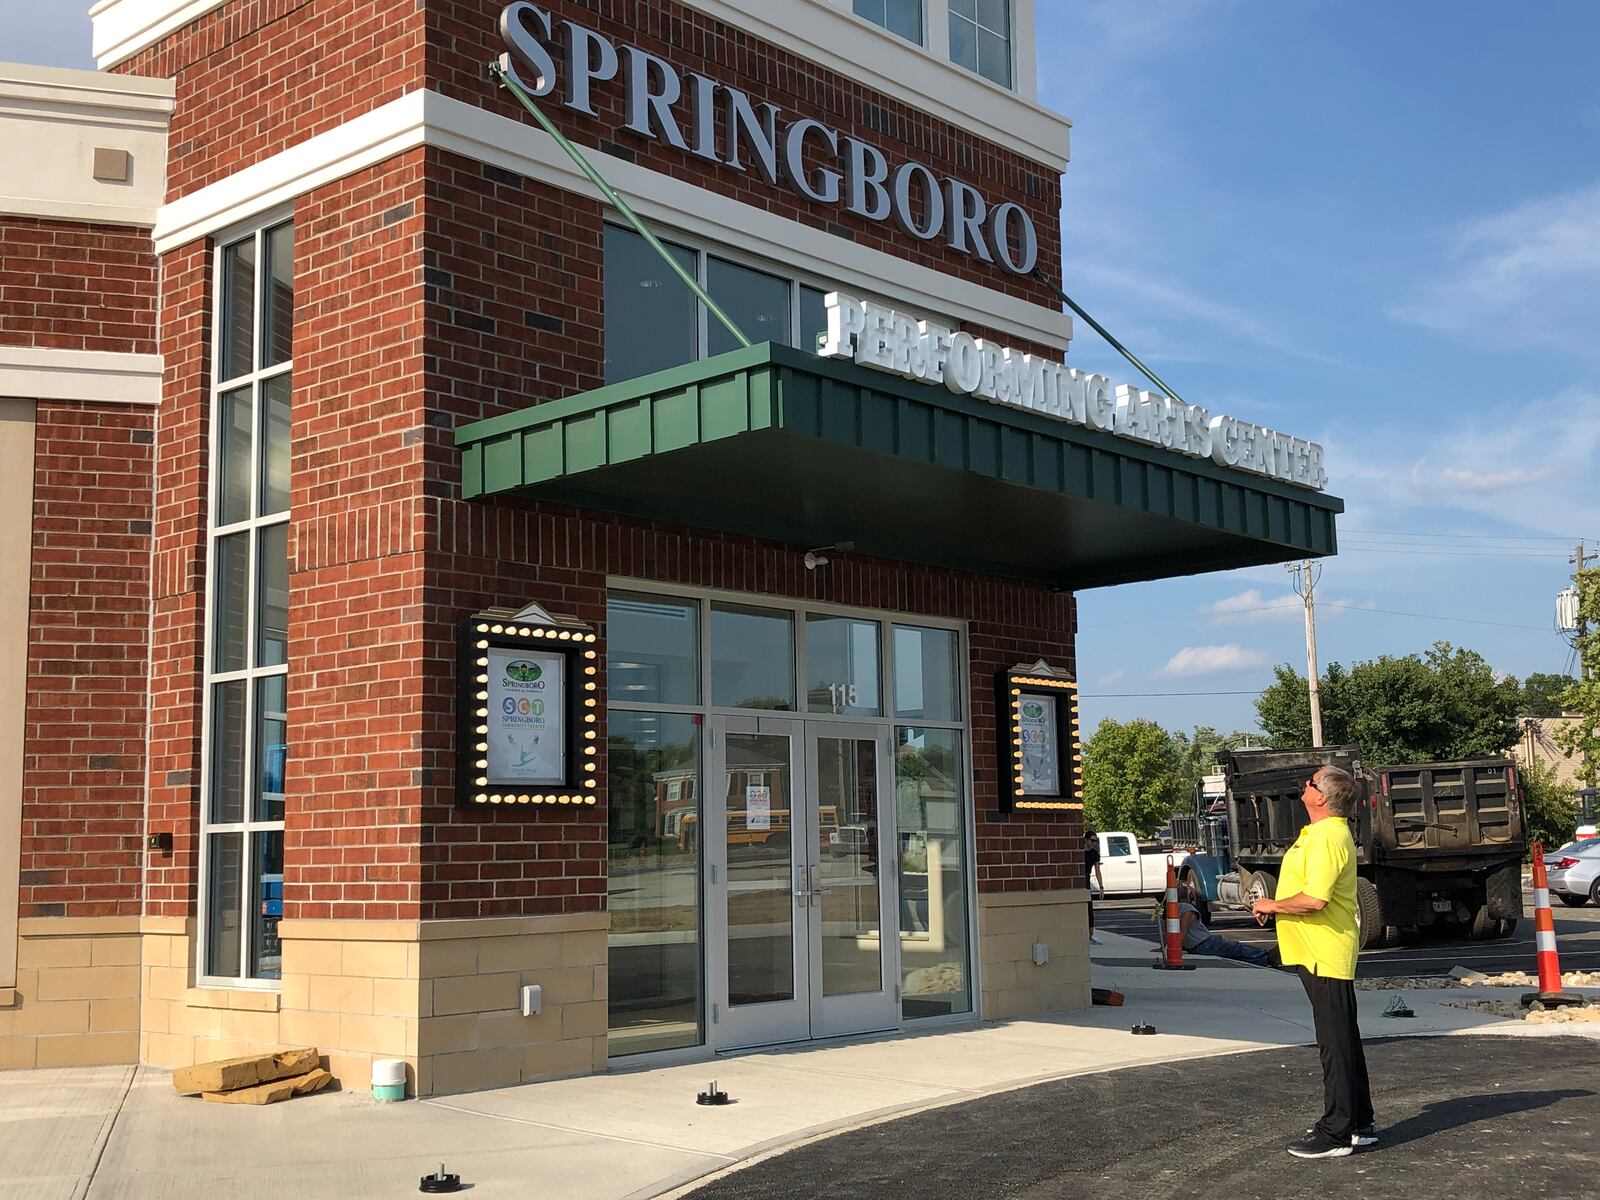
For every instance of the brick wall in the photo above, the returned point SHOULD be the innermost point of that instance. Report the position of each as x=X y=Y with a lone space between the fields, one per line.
x=83 y=768
x=73 y=286
x=256 y=76
x=325 y=62
x=463 y=36
x=356 y=568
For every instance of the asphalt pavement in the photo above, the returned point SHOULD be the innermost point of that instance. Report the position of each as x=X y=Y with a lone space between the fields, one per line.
x=1577 y=939
x=1458 y=1117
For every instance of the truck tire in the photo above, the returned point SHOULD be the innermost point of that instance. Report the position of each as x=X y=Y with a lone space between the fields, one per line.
x=1370 y=912
x=1263 y=885
x=1573 y=901
x=1203 y=905
x=1483 y=925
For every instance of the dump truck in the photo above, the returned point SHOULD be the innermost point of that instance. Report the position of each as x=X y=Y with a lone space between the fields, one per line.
x=1437 y=844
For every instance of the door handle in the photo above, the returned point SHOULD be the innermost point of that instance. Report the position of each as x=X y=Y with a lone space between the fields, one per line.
x=816 y=892
x=800 y=883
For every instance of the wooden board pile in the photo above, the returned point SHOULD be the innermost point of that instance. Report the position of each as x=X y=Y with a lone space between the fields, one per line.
x=256 y=1079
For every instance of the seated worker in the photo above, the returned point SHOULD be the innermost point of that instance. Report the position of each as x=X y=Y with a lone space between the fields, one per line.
x=1197 y=939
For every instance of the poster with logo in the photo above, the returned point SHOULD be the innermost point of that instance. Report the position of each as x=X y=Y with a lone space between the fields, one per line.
x=527 y=718
x=1041 y=747
x=757 y=807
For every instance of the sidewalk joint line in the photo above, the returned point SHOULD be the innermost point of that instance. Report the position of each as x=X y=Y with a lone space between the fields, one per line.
x=103 y=1138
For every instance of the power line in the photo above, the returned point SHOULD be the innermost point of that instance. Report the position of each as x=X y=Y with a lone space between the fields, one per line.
x=1531 y=537
x=1393 y=612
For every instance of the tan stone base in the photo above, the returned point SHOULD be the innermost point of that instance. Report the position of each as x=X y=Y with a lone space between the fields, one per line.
x=76 y=1002
x=442 y=995
x=1010 y=923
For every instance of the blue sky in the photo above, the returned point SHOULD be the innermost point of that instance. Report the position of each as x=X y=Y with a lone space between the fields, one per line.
x=1372 y=224
x=1375 y=225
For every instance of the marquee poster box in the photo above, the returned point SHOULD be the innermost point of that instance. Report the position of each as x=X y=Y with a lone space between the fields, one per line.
x=527 y=710
x=1040 y=754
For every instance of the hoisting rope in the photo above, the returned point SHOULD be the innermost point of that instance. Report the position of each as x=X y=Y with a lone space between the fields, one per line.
x=499 y=75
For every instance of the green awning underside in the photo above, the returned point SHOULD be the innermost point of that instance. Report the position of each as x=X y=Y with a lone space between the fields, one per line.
x=779 y=443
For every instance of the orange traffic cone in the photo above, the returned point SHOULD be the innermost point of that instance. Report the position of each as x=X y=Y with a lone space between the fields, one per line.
x=1549 y=994
x=1171 y=928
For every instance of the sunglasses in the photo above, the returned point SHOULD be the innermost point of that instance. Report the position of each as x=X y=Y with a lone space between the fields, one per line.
x=1312 y=784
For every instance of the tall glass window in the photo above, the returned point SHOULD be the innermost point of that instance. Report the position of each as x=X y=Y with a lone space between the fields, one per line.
x=654 y=870
x=653 y=321
x=757 y=302
x=247 y=635
x=930 y=805
x=897 y=16
x=980 y=38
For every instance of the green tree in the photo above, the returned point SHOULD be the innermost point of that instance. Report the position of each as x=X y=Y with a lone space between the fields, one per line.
x=1581 y=738
x=1551 y=809
x=1541 y=694
x=1132 y=776
x=1442 y=705
x=1197 y=752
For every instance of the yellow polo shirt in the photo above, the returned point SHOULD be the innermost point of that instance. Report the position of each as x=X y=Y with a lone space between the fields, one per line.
x=1322 y=864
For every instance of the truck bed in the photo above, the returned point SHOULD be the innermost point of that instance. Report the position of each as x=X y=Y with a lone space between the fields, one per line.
x=1264 y=810
x=1445 y=810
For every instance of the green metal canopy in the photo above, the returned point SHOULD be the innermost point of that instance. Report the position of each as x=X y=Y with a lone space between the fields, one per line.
x=779 y=443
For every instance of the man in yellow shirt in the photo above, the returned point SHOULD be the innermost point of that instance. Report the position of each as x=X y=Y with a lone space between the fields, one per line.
x=1319 y=936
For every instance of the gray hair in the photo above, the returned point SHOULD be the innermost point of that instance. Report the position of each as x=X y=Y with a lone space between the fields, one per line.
x=1338 y=790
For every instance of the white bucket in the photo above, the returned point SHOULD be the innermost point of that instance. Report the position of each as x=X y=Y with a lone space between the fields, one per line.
x=389 y=1079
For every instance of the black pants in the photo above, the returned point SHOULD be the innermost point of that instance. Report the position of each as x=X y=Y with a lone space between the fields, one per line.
x=1346 y=1098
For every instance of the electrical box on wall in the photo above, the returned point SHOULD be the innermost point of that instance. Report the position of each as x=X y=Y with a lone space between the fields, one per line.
x=527 y=710
x=1041 y=761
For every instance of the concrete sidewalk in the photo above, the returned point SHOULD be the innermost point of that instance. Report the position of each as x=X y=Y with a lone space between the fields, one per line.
x=117 y=1132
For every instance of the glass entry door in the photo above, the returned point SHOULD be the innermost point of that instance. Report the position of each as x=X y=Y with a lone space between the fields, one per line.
x=800 y=883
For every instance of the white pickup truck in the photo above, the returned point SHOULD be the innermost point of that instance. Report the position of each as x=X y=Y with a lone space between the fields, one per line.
x=1133 y=870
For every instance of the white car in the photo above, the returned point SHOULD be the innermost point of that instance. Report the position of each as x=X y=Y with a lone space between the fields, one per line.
x=1574 y=872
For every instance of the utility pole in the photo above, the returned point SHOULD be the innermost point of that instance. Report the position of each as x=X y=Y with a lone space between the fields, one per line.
x=1583 y=625
x=1305 y=584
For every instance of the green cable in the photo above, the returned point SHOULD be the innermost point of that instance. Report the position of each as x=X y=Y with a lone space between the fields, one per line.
x=1103 y=332
x=498 y=74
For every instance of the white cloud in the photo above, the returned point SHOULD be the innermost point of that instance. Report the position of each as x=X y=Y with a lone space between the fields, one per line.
x=1528 y=276
x=1209 y=660
x=1252 y=604
x=1112 y=678
x=1533 y=467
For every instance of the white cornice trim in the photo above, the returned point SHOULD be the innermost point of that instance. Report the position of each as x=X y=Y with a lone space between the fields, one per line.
x=813 y=29
x=427 y=118
x=122 y=28
x=132 y=99
x=137 y=215
x=92 y=376
x=371 y=138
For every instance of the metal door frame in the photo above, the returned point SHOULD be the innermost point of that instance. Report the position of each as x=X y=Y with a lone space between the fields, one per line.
x=861 y=1012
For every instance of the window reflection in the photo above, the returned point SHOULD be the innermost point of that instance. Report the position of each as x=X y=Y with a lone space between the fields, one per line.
x=654 y=881
x=842 y=666
x=756 y=302
x=652 y=646
x=651 y=315
x=752 y=658
x=930 y=787
x=926 y=674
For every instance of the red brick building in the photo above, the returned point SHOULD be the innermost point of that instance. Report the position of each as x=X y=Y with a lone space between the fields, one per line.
x=442 y=640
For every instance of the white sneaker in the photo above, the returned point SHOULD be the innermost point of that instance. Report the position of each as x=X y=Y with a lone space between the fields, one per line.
x=1094 y=941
